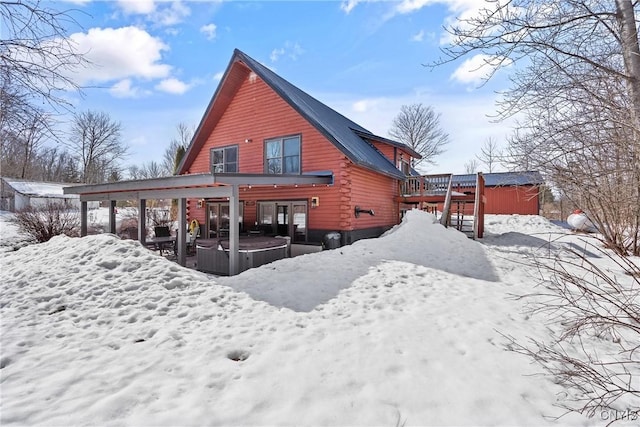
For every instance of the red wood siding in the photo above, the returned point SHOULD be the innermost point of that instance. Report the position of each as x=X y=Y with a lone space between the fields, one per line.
x=512 y=200
x=392 y=153
x=257 y=113
x=370 y=190
x=388 y=151
x=507 y=200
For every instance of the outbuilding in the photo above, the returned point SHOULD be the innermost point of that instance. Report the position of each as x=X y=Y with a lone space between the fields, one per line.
x=18 y=194
x=509 y=192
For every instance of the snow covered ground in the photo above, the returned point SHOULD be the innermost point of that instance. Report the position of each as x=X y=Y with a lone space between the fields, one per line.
x=406 y=329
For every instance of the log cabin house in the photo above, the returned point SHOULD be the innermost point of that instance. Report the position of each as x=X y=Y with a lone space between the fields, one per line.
x=267 y=158
x=259 y=123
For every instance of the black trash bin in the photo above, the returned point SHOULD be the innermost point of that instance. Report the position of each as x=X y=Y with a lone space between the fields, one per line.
x=331 y=240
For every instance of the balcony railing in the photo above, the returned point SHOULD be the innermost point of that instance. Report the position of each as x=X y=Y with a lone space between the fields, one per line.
x=425 y=185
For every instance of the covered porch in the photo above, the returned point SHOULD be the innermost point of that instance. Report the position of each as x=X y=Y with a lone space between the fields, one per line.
x=196 y=186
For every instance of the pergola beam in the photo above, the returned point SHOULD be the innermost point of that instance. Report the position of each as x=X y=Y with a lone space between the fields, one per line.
x=166 y=183
x=176 y=193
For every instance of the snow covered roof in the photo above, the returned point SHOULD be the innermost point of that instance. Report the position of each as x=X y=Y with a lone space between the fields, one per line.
x=39 y=189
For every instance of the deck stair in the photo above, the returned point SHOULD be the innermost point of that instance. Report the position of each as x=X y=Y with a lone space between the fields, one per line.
x=457 y=203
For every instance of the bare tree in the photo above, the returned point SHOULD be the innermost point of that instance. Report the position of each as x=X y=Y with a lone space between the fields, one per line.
x=185 y=133
x=472 y=166
x=23 y=129
x=418 y=126
x=146 y=171
x=519 y=154
x=95 y=142
x=21 y=143
x=55 y=165
x=490 y=154
x=575 y=73
x=35 y=54
x=581 y=300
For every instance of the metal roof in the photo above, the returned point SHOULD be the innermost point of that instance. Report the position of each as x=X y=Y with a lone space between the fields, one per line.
x=503 y=178
x=338 y=129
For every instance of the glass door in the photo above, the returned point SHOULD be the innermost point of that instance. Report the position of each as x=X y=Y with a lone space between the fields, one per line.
x=212 y=225
x=282 y=219
x=219 y=219
x=299 y=231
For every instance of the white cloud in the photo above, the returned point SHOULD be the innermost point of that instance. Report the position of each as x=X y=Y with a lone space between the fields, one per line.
x=218 y=76
x=172 y=31
x=172 y=15
x=139 y=7
x=410 y=6
x=292 y=50
x=418 y=37
x=209 y=31
x=477 y=69
x=364 y=105
x=348 y=5
x=118 y=53
x=125 y=89
x=157 y=11
x=173 y=86
x=276 y=53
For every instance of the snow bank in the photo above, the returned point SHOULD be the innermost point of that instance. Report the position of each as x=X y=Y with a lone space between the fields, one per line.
x=390 y=331
x=304 y=282
x=10 y=237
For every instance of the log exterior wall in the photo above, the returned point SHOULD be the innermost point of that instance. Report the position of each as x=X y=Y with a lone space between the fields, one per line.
x=256 y=113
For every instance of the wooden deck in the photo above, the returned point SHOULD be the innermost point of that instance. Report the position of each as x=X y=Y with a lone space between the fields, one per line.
x=460 y=204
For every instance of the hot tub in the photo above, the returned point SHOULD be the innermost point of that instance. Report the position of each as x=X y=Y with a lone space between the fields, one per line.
x=212 y=255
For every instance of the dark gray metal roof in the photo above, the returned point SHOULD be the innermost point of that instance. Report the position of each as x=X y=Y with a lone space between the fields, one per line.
x=503 y=178
x=333 y=125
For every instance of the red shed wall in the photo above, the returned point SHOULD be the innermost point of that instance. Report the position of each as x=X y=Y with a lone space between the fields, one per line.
x=521 y=200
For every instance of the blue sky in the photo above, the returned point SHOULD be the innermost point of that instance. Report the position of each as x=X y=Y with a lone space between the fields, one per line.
x=156 y=64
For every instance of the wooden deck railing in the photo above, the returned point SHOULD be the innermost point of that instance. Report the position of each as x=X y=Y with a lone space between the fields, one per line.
x=442 y=185
x=425 y=185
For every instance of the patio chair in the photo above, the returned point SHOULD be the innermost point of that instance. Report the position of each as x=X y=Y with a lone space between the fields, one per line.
x=163 y=234
x=162 y=231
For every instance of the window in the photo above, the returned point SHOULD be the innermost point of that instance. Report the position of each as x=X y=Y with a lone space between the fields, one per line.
x=282 y=155
x=404 y=166
x=224 y=159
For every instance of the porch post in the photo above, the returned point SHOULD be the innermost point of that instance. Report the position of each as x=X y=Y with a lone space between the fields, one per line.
x=142 y=221
x=112 y=216
x=83 y=219
x=234 y=232
x=181 y=237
